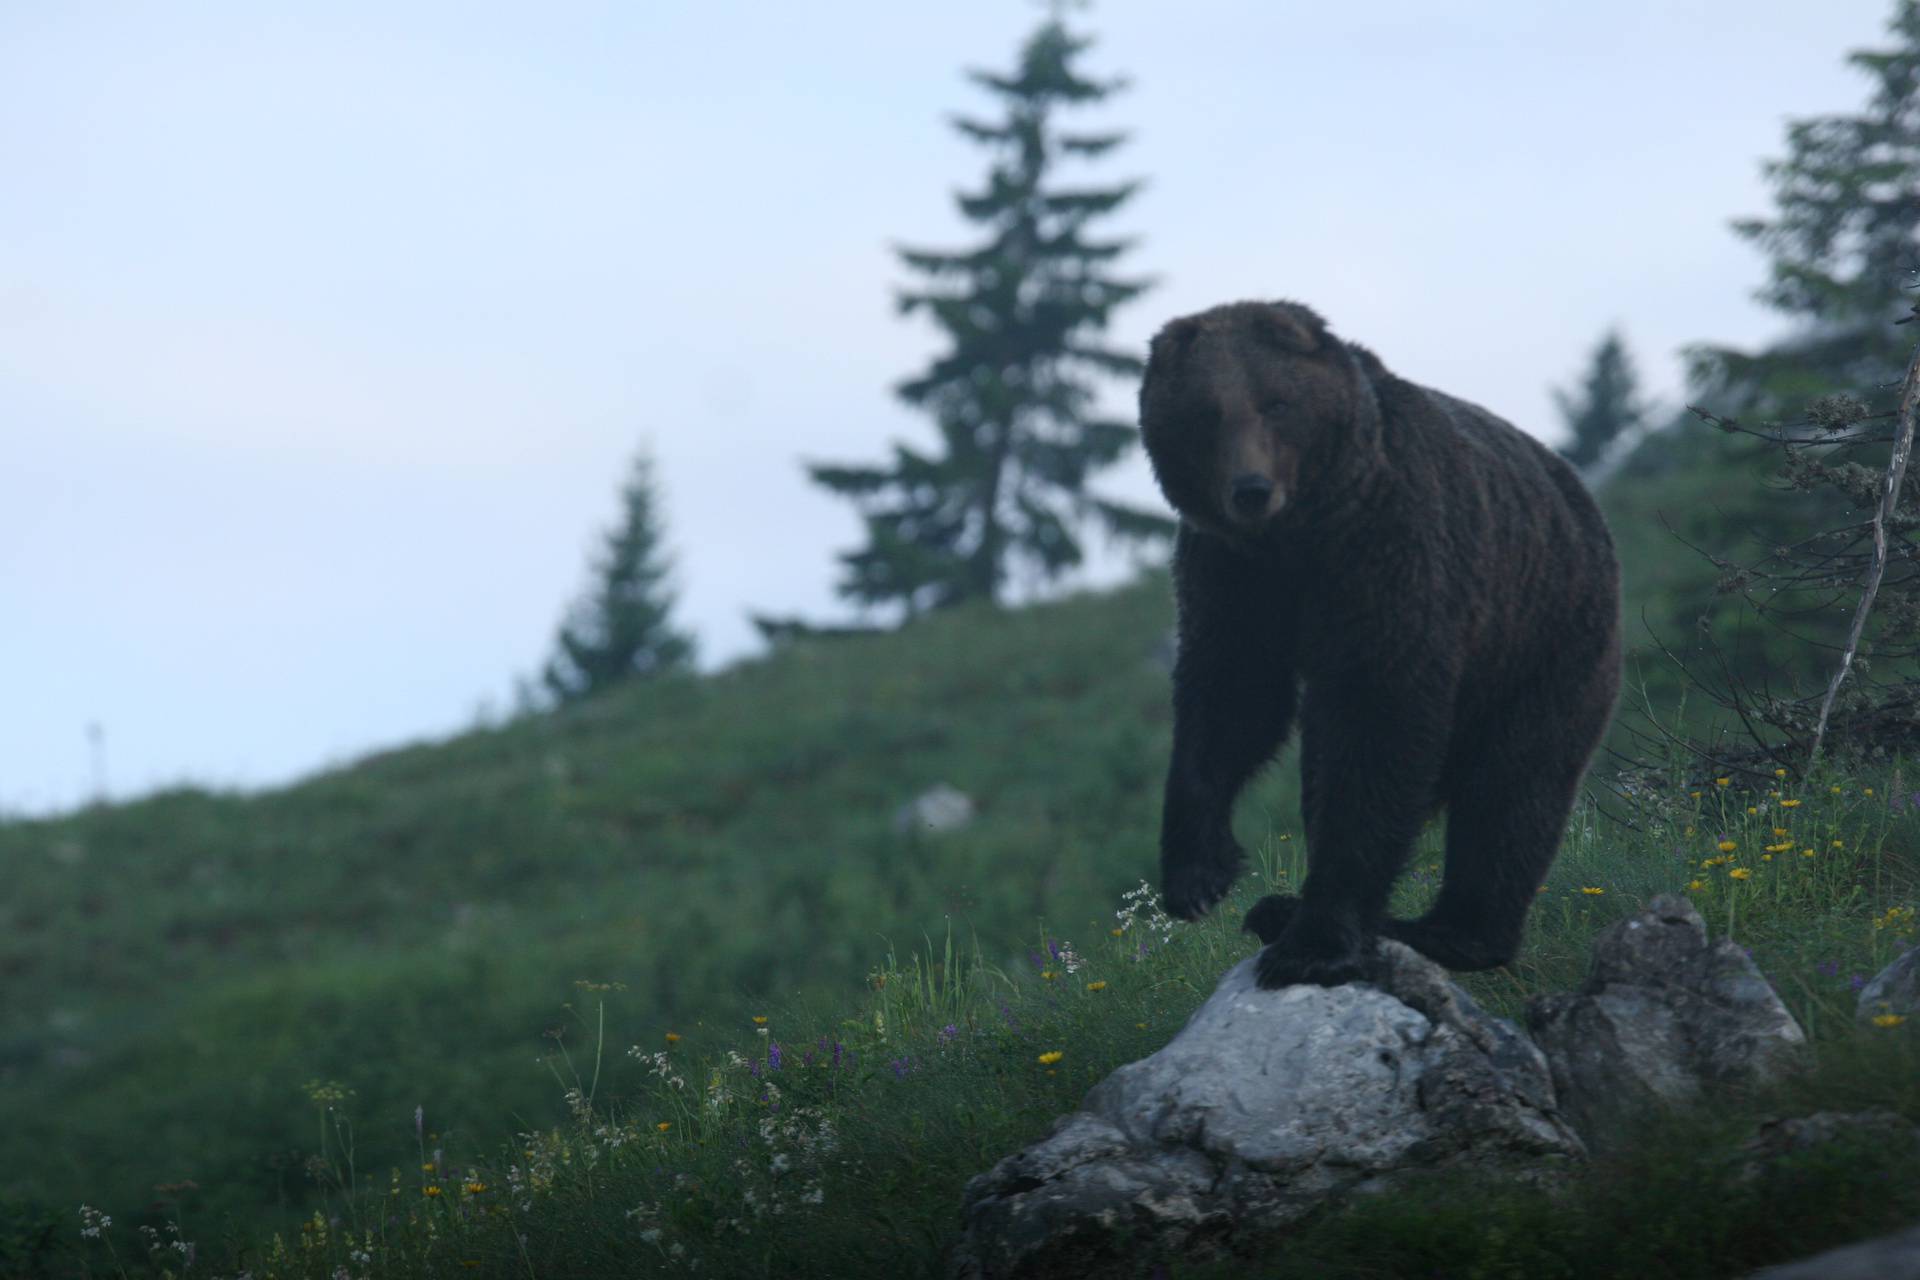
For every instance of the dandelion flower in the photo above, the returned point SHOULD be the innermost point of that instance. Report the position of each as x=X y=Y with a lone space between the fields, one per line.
x=1694 y=794
x=673 y=1037
x=1779 y=831
x=1789 y=804
x=1048 y=975
x=1096 y=986
x=1723 y=782
x=1806 y=853
x=475 y=1187
x=1050 y=1057
x=1839 y=844
x=429 y=1190
x=759 y=1019
x=1888 y=1019
x=1741 y=873
x=1753 y=808
x=1592 y=891
x=1695 y=886
x=1116 y=932
x=1728 y=846
x=1866 y=791
x=1140 y=1026
x=664 y=1125
x=1835 y=790
x=1782 y=847
x=1779 y=773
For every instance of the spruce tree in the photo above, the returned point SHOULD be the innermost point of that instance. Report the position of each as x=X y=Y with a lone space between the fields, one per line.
x=1843 y=244
x=620 y=630
x=1013 y=392
x=1605 y=409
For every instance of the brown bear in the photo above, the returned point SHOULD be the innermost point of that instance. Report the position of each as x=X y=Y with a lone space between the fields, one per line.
x=1434 y=590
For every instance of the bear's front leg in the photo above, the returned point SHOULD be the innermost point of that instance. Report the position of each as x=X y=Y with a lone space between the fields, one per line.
x=1233 y=697
x=1369 y=763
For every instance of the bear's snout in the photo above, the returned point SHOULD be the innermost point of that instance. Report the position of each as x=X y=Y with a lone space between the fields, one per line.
x=1251 y=494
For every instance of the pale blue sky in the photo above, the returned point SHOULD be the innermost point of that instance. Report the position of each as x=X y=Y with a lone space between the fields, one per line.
x=327 y=331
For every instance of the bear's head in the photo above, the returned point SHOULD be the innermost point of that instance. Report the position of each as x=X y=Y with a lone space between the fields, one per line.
x=1254 y=413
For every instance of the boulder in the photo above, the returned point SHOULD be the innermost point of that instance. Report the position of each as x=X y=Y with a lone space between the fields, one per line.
x=1266 y=1105
x=1662 y=1015
x=1895 y=989
x=937 y=810
x=1894 y=1257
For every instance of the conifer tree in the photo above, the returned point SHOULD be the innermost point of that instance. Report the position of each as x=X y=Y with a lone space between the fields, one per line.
x=1843 y=244
x=1013 y=392
x=1605 y=409
x=620 y=630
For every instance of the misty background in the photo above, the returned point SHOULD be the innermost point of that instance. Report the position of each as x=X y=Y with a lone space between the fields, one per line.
x=326 y=336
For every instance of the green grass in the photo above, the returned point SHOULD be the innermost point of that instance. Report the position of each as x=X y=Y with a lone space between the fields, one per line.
x=177 y=969
x=835 y=1138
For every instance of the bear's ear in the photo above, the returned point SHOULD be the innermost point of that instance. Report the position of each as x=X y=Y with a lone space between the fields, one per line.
x=1175 y=337
x=1290 y=327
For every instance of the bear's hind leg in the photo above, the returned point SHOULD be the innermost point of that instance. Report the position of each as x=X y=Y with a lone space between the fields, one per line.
x=1505 y=818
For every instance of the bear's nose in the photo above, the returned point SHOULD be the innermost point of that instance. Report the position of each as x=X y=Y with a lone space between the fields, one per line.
x=1251 y=493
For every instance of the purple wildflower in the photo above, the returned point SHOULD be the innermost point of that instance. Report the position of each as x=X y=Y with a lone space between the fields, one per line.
x=1828 y=968
x=1857 y=981
x=949 y=1033
x=836 y=1055
x=773 y=1055
x=901 y=1066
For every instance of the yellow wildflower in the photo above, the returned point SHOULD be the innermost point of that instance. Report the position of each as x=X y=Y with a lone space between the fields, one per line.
x=1048 y=975
x=1789 y=804
x=1695 y=886
x=1728 y=846
x=1140 y=1026
x=1050 y=1057
x=1779 y=773
x=1835 y=790
x=759 y=1019
x=429 y=1191
x=1888 y=1019
x=673 y=1037
x=1741 y=873
x=1779 y=831
x=1694 y=794
x=1116 y=932
x=1592 y=891
x=1839 y=844
x=1096 y=986
x=475 y=1187
x=1866 y=791
x=1781 y=847
x=664 y=1125
x=1723 y=782
x=1753 y=808
x=1806 y=853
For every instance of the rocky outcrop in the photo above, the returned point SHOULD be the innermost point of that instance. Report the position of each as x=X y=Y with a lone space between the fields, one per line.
x=1663 y=1014
x=1894 y=990
x=1266 y=1105
x=1894 y=1257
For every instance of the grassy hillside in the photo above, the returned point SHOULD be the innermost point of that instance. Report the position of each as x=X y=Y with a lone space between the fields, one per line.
x=176 y=970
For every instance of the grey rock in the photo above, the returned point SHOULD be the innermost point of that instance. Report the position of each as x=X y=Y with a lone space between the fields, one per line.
x=1895 y=989
x=937 y=810
x=1266 y=1105
x=1894 y=1257
x=1662 y=1015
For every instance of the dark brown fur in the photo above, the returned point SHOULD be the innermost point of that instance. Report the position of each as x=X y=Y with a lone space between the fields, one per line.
x=1441 y=585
